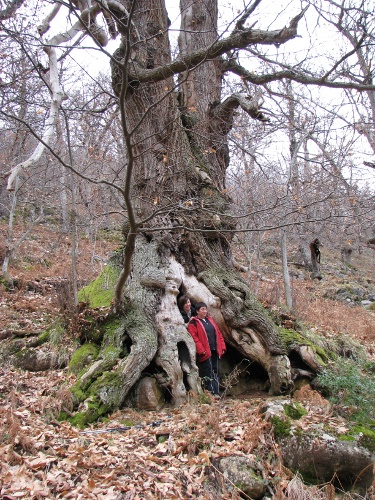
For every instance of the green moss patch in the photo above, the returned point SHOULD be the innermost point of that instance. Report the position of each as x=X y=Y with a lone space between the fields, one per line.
x=295 y=411
x=345 y=437
x=43 y=338
x=290 y=337
x=83 y=357
x=79 y=420
x=113 y=331
x=54 y=334
x=100 y=292
x=281 y=426
x=108 y=382
x=362 y=435
x=96 y=408
x=78 y=392
x=366 y=437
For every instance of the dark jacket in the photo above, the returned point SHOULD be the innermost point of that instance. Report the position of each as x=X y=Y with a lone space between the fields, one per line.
x=197 y=331
x=185 y=316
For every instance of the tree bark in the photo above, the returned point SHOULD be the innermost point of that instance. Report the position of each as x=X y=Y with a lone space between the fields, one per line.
x=284 y=259
x=346 y=254
x=315 y=259
x=178 y=140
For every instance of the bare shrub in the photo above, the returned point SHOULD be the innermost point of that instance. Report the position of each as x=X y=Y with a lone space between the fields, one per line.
x=270 y=293
x=16 y=438
x=233 y=377
x=336 y=316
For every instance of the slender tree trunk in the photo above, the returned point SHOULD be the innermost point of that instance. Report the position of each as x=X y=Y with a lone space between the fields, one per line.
x=284 y=258
x=9 y=248
x=73 y=231
x=73 y=217
x=64 y=200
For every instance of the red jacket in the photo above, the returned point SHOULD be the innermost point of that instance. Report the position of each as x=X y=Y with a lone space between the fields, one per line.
x=197 y=331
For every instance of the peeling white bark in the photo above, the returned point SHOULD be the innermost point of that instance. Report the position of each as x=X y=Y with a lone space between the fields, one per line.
x=172 y=333
x=46 y=24
x=57 y=93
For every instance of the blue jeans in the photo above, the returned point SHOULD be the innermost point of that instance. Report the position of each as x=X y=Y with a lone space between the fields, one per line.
x=209 y=372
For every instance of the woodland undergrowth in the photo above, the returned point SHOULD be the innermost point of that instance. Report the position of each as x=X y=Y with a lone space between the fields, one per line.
x=145 y=455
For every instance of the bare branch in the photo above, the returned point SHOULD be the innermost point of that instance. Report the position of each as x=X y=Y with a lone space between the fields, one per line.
x=291 y=74
x=56 y=99
x=59 y=159
x=261 y=229
x=46 y=24
x=344 y=57
x=245 y=16
x=56 y=89
x=251 y=105
x=237 y=40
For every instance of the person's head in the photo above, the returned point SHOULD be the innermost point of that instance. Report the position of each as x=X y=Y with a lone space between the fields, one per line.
x=201 y=310
x=184 y=303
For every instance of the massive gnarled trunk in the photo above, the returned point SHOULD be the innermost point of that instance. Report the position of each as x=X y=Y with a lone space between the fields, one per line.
x=178 y=135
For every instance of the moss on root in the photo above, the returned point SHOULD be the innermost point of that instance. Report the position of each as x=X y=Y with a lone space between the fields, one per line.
x=79 y=394
x=111 y=326
x=106 y=386
x=100 y=292
x=52 y=334
x=104 y=391
x=79 y=420
x=43 y=338
x=96 y=410
x=99 y=399
x=291 y=337
x=83 y=357
x=98 y=388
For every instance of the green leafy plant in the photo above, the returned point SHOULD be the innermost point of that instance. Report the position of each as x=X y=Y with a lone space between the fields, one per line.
x=350 y=385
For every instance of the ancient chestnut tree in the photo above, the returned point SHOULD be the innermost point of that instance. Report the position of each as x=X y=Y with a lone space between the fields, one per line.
x=179 y=225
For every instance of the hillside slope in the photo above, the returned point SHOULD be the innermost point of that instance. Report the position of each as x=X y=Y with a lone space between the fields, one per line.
x=170 y=453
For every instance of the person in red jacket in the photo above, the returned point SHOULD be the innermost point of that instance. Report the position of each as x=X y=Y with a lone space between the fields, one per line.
x=210 y=346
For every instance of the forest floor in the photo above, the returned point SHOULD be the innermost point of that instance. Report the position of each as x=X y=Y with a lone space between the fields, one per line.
x=148 y=455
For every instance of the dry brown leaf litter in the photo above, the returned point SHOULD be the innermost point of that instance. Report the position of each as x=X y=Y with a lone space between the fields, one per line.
x=163 y=455
x=168 y=454
x=41 y=458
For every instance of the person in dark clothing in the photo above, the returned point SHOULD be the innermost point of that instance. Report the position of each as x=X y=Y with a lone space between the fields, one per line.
x=186 y=308
x=210 y=346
